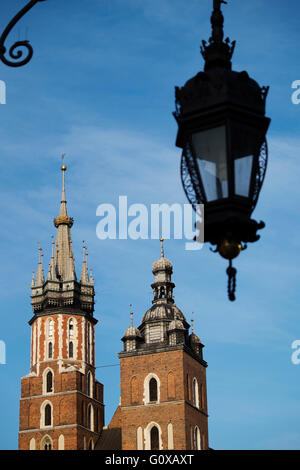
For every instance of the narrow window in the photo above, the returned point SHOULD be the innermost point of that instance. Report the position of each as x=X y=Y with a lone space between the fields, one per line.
x=197 y=445
x=50 y=350
x=154 y=437
x=153 y=390
x=70 y=349
x=195 y=393
x=49 y=382
x=50 y=328
x=71 y=328
x=47 y=445
x=90 y=384
x=47 y=415
x=90 y=417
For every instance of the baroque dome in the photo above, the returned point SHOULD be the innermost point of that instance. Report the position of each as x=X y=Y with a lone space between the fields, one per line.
x=132 y=332
x=162 y=264
x=195 y=339
x=160 y=311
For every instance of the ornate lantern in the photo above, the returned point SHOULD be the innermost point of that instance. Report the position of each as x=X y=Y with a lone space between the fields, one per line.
x=221 y=129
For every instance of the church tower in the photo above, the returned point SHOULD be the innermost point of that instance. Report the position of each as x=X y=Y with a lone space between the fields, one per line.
x=61 y=404
x=163 y=378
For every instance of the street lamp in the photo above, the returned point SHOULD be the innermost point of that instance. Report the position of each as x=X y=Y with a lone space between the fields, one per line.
x=15 y=52
x=221 y=129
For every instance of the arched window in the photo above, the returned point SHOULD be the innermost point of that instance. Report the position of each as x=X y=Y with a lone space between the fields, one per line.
x=134 y=390
x=71 y=328
x=48 y=415
x=50 y=350
x=139 y=438
x=71 y=349
x=46 y=443
x=49 y=382
x=90 y=384
x=153 y=389
x=170 y=436
x=50 y=328
x=195 y=393
x=197 y=442
x=61 y=442
x=90 y=417
x=154 y=438
x=32 y=444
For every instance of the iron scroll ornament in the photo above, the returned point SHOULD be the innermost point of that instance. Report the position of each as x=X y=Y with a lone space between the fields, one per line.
x=15 y=51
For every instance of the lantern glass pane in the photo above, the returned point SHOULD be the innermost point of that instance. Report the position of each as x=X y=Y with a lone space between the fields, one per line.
x=245 y=146
x=210 y=151
x=242 y=175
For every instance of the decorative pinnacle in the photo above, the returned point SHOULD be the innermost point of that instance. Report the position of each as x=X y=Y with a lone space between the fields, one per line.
x=217 y=22
x=131 y=315
x=40 y=252
x=84 y=251
x=217 y=52
x=52 y=249
x=192 y=322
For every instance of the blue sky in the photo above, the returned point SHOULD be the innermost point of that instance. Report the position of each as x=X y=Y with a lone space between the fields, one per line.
x=100 y=88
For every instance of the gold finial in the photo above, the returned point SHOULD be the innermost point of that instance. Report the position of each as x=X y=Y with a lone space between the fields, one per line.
x=162 y=244
x=63 y=167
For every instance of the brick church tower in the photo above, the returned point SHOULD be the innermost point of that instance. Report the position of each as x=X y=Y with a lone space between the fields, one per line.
x=61 y=404
x=163 y=379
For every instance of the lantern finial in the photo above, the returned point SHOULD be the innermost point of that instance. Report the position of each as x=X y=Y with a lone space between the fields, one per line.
x=217 y=52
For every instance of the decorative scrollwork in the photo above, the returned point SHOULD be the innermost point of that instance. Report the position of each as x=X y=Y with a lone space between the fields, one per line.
x=16 y=51
x=190 y=179
x=260 y=172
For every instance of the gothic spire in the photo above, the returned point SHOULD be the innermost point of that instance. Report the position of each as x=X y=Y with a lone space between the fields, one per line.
x=84 y=273
x=64 y=258
x=40 y=278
